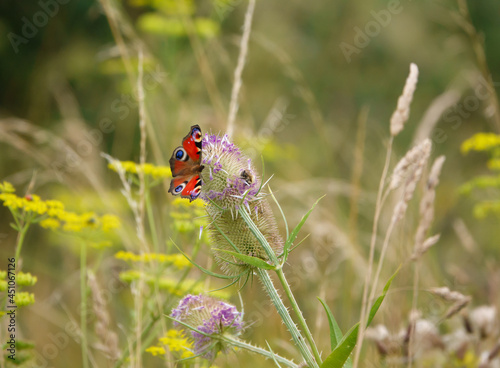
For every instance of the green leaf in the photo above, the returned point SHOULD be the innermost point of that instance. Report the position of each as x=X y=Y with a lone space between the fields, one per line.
x=335 y=332
x=296 y=230
x=202 y=269
x=281 y=210
x=339 y=356
x=254 y=261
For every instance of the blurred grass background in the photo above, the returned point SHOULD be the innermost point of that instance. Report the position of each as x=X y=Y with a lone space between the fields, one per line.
x=66 y=96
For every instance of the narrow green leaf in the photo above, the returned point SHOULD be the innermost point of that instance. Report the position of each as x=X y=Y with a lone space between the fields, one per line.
x=202 y=269
x=281 y=210
x=254 y=261
x=380 y=299
x=335 y=332
x=338 y=358
x=272 y=352
x=296 y=230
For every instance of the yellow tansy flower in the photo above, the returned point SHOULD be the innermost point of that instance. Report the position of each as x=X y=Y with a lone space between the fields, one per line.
x=156 y=350
x=6 y=187
x=156 y=172
x=50 y=223
x=481 y=142
x=176 y=341
x=26 y=279
x=23 y=299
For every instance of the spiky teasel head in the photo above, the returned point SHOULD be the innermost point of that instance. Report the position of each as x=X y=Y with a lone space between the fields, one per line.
x=211 y=316
x=230 y=184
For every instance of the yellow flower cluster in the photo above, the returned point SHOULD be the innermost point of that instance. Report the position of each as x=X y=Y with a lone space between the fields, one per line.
x=156 y=172
x=480 y=182
x=483 y=209
x=171 y=285
x=26 y=279
x=56 y=216
x=23 y=299
x=481 y=142
x=187 y=216
x=178 y=260
x=175 y=341
x=73 y=222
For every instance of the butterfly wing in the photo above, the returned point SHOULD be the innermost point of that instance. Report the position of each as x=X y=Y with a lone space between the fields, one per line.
x=185 y=166
x=192 y=143
x=187 y=187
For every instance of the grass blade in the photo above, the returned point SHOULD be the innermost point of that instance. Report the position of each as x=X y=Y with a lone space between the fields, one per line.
x=295 y=231
x=340 y=355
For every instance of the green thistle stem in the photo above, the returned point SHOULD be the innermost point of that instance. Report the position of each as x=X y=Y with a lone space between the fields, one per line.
x=281 y=275
x=262 y=239
x=255 y=349
x=298 y=313
x=83 y=296
x=287 y=320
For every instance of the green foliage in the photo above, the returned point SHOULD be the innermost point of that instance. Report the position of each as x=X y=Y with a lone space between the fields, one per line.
x=338 y=358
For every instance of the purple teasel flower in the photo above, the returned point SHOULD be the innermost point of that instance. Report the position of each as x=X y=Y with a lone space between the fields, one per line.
x=231 y=184
x=211 y=316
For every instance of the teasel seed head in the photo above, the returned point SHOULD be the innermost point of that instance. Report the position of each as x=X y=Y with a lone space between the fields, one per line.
x=231 y=183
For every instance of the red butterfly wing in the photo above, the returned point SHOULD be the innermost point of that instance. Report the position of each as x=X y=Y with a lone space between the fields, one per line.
x=192 y=143
x=185 y=166
x=187 y=187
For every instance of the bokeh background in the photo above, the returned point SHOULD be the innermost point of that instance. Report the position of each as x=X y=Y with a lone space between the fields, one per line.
x=320 y=83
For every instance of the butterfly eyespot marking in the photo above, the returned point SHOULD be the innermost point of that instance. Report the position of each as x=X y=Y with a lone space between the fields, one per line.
x=196 y=134
x=180 y=188
x=180 y=154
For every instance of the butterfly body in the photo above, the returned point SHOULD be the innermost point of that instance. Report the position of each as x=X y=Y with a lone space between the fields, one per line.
x=186 y=166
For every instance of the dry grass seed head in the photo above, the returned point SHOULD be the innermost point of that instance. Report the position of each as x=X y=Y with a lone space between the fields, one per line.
x=108 y=338
x=413 y=174
x=427 y=211
x=402 y=112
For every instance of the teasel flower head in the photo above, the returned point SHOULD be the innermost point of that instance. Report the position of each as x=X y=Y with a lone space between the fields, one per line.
x=211 y=316
x=230 y=184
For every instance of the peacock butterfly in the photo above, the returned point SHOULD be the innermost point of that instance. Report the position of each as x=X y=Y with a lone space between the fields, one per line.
x=186 y=167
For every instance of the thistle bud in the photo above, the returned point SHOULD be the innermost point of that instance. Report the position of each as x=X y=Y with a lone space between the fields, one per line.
x=231 y=183
x=211 y=316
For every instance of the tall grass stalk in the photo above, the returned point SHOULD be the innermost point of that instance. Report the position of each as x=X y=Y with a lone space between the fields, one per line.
x=233 y=105
x=378 y=208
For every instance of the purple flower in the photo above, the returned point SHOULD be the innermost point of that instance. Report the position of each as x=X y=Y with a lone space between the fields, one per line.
x=231 y=184
x=211 y=316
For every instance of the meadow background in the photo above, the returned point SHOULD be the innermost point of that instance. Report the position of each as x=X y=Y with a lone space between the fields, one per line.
x=318 y=115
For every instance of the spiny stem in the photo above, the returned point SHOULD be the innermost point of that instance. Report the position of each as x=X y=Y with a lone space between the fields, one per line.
x=287 y=320
x=255 y=349
x=298 y=313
